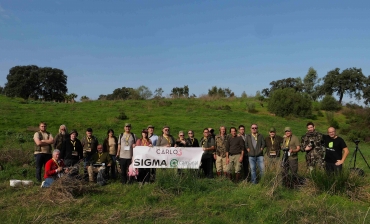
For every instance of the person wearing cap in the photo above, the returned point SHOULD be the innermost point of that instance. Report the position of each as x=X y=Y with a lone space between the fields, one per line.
x=291 y=146
x=153 y=137
x=273 y=147
x=89 y=144
x=72 y=150
x=166 y=139
x=220 y=155
x=97 y=164
x=126 y=143
x=144 y=173
x=43 y=144
x=191 y=140
x=255 y=143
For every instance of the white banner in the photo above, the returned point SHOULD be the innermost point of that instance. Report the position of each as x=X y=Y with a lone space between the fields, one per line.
x=167 y=157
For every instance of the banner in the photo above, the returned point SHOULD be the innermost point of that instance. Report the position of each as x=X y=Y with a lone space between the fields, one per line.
x=167 y=157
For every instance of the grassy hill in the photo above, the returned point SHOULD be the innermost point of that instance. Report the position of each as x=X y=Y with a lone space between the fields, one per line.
x=172 y=198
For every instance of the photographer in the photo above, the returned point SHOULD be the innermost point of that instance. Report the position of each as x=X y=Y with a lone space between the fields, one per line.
x=336 y=151
x=54 y=169
x=291 y=146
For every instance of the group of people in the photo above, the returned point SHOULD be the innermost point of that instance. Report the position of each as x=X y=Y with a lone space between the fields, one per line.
x=231 y=153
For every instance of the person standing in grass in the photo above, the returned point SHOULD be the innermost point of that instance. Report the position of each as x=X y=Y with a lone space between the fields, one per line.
x=234 y=153
x=53 y=169
x=43 y=144
x=220 y=155
x=110 y=145
x=255 y=143
x=336 y=151
x=245 y=157
x=311 y=143
x=126 y=143
x=153 y=138
x=191 y=140
x=144 y=173
x=89 y=144
x=166 y=139
x=72 y=151
x=61 y=137
x=292 y=145
x=208 y=145
x=181 y=141
x=273 y=148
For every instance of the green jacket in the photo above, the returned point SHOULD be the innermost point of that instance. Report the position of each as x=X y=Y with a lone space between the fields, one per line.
x=103 y=158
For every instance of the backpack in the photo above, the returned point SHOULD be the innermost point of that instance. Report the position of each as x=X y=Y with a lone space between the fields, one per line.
x=121 y=135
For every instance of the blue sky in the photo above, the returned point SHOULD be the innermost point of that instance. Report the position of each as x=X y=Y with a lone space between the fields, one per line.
x=243 y=45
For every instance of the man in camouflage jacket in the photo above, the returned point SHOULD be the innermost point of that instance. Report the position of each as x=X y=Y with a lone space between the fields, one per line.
x=311 y=143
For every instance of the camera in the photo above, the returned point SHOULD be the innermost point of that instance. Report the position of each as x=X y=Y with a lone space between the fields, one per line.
x=286 y=149
x=356 y=141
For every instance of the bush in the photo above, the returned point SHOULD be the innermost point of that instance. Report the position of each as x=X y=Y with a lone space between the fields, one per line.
x=284 y=102
x=320 y=114
x=223 y=107
x=329 y=103
x=332 y=122
x=251 y=107
x=122 y=116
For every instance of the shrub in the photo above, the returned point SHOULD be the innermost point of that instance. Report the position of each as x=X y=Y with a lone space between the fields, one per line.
x=122 y=116
x=332 y=122
x=320 y=114
x=223 y=107
x=284 y=102
x=251 y=107
x=329 y=103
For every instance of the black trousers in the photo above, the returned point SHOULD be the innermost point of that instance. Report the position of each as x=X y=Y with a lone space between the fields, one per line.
x=124 y=164
x=246 y=167
x=207 y=164
x=144 y=175
x=41 y=160
x=331 y=168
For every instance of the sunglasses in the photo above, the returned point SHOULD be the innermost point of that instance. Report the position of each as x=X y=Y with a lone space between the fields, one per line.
x=254 y=128
x=181 y=135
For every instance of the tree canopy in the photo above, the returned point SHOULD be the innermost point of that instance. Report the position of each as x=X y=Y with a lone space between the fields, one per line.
x=294 y=83
x=178 y=92
x=35 y=82
x=220 y=92
x=350 y=81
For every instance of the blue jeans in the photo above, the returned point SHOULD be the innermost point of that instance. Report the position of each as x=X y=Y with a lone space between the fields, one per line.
x=48 y=182
x=253 y=161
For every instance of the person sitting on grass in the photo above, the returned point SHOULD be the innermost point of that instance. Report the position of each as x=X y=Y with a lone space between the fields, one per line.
x=97 y=165
x=53 y=169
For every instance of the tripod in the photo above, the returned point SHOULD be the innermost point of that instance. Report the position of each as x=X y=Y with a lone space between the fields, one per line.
x=354 y=155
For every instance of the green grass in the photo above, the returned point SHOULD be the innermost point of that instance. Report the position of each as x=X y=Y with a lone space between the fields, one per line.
x=172 y=198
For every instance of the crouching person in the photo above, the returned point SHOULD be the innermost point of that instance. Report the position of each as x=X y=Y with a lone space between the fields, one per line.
x=98 y=163
x=54 y=169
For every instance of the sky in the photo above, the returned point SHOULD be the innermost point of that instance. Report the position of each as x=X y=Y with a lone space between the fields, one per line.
x=241 y=45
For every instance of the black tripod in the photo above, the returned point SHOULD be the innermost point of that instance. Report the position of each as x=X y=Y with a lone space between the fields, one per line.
x=354 y=155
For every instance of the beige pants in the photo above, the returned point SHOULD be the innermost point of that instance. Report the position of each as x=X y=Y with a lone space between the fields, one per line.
x=91 y=170
x=221 y=164
x=234 y=163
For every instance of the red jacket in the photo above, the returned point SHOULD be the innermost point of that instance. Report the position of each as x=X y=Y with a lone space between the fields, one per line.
x=50 y=168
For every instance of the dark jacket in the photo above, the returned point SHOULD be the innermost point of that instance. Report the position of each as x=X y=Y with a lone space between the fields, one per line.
x=258 y=151
x=234 y=145
x=278 y=140
x=67 y=150
x=104 y=158
x=192 y=143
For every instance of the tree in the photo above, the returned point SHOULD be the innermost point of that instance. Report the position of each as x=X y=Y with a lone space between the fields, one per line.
x=329 y=103
x=310 y=83
x=366 y=91
x=220 y=92
x=37 y=83
x=294 y=83
x=72 y=97
x=288 y=101
x=84 y=98
x=144 y=92
x=244 y=95
x=124 y=93
x=158 y=93
x=1 y=90
x=178 y=92
x=351 y=81
x=102 y=97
